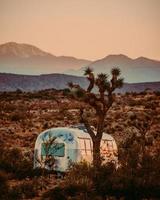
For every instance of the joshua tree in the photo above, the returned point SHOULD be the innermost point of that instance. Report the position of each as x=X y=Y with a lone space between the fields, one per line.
x=100 y=102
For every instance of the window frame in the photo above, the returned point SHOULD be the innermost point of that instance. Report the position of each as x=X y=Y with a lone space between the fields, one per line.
x=52 y=146
x=85 y=149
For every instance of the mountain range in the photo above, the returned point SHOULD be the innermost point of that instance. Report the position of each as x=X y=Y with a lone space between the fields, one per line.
x=30 y=60
x=12 y=82
x=133 y=70
x=39 y=70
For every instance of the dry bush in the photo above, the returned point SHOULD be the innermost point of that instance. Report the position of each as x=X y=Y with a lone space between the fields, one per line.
x=3 y=185
x=25 y=190
x=13 y=161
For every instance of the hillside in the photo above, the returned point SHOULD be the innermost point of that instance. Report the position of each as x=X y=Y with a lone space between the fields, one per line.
x=28 y=59
x=134 y=70
x=12 y=82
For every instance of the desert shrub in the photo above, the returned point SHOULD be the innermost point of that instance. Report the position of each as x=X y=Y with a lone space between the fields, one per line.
x=150 y=105
x=132 y=102
x=80 y=175
x=13 y=161
x=127 y=93
x=136 y=178
x=66 y=92
x=9 y=107
x=17 y=116
x=157 y=93
x=83 y=181
x=45 y=126
x=14 y=193
x=70 y=192
x=24 y=169
x=134 y=94
x=9 y=159
x=3 y=186
x=143 y=93
x=55 y=194
x=103 y=179
x=26 y=190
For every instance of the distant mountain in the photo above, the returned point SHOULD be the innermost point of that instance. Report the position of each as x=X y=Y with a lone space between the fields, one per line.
x=28 y=59
x=12 y=82
x=133 y=70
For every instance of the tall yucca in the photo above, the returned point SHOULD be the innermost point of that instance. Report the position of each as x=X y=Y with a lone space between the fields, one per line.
x=100 y=102
x=115 y=71
x=102 y=76
x=102 y=81
x=88 y=71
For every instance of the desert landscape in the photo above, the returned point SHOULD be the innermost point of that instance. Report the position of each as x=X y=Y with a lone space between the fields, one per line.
x=79 y=100
x=24 y=115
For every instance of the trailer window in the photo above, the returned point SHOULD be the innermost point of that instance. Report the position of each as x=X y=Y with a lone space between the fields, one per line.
x=82 y=146
x=85 y=146
x=107 y=145
x=110 y=145
x=57 y=149
x=88 y=146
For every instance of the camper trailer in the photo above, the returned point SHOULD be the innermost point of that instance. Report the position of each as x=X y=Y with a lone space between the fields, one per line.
x=70 y=145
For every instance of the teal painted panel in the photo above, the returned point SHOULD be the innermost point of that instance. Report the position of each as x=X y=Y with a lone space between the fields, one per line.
x=72 y=154
x=57 y=149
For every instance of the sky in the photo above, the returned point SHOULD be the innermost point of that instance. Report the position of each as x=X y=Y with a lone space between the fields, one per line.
x=89 y=29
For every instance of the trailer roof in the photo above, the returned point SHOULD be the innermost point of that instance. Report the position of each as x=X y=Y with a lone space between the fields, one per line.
x=69 y=133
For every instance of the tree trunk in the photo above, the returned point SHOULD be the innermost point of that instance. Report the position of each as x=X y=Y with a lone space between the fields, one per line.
x=97 y=141
x=96 y=153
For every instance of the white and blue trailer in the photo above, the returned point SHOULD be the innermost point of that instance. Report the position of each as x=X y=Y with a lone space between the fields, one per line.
x=71 y=145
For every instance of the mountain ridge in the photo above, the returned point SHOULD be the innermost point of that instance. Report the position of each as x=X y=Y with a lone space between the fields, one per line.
x=19 y=49
x=24 y=45
x=28 y=59
x=24 y=58
x=12 y=82
x=140 y=69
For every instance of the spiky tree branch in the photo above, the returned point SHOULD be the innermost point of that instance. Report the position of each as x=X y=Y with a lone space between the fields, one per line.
x=90 y=76
x=86 y=123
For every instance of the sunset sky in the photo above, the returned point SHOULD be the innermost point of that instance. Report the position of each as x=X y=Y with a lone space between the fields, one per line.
x=88 y=29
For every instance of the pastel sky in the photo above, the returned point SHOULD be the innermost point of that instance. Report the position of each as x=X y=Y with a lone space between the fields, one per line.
x=88 y=29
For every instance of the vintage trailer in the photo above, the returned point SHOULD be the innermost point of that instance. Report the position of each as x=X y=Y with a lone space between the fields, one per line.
x=70 y=145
